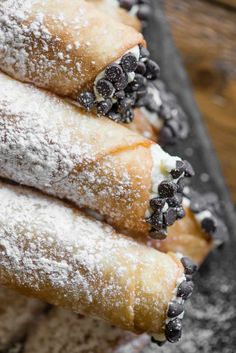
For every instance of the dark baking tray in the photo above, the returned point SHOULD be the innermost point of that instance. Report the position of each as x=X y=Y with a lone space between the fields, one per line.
x=210 y=319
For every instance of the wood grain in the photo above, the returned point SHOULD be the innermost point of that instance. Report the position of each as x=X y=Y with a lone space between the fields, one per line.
x=205 y=33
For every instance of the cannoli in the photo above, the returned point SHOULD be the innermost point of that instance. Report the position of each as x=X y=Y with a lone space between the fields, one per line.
x=160 y=117
x=17 y=313
x=202 y=229
x=51 y=145
x=53 y=252
x=74 y=50
x=69 y=332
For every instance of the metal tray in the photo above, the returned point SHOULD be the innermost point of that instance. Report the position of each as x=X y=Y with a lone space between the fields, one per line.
x=210 y=322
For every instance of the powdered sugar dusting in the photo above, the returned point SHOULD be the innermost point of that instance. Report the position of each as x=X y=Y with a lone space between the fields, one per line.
x=53 y=250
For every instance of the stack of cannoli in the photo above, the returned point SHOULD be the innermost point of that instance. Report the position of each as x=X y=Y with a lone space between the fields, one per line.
x=96 y=217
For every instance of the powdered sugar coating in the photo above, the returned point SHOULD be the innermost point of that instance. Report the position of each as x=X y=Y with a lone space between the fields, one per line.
x=60 y=255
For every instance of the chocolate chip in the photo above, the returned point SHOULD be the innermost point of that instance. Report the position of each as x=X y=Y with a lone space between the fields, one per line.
x=209 y=225
x=180 y=185
x=180 y=213
x=105 y=88
x=170 y=216
x=189 y=267
x=144 y=53
x=175 y=200
x=86 y=100
x=125 y=104
x=185 y=289
x=127 y=116
x=104 y=107
x=173 y=330
x=115 y=116
x=166 y=136
x=175 y=309
x=152 y=70
x=119 y=94
x=157 y=203
x=156 y=220
x=127 y=4
x=141 y=68
x=167 y=189
x=144 y=12
x=113 y=73
x=122 y=83
x=129 y=62
x=138 y=82
x=164 y=112
x=189 y=172
x=179 y=170
x=158 y=234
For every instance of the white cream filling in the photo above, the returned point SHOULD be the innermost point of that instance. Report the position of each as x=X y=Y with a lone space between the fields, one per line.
x=163 y=163
x=136 y=52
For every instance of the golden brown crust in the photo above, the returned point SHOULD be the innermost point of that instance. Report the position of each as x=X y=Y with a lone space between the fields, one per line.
x=63 y=47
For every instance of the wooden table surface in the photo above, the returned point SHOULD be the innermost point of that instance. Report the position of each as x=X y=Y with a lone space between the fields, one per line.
x=205 y=33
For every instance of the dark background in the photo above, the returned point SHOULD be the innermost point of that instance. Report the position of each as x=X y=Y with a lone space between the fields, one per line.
x=210 y=322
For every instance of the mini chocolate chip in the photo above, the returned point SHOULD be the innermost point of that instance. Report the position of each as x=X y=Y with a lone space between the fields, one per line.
x=180 y=185
x=158 y=234
x=127 y=4
x=138 y=82
x=144 y=12
x=129 y=62
x=113 y=115
x=180 y=213
x=167 y=189
x=189 y=172
x=125 y=104
x=144 y=53
x=122 y=83
x=104 y=107
x=157 y=203
x=156 y=220
x=179 y=170
x=105 y=88
x=119 y=94
x=175 y=309
x=185 y=289
x=141 y=68
x=174 y=126
x=152 y=70
x=209 y=225
x=113 y=73
x=159 y=343
x=166 y=136
x=170 y=216
x=173 y=330
x=175 y=200
x=86 y=100
x=128 y=116
x=189 y=267
x=164 y=112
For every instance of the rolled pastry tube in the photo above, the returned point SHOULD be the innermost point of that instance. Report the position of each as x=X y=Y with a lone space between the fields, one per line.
x=51 y=145
x=53 y=252
x=17 y=314
x=76 y=51
x=202 y=229
x=63 y=330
